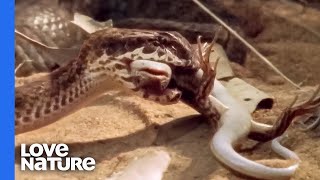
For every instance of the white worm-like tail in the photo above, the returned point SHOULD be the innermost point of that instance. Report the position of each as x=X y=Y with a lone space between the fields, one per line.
x=236 y=124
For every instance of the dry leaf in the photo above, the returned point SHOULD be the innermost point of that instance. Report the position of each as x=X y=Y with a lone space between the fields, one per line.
x=88 y=24
x=249 y=96
x=224 y=69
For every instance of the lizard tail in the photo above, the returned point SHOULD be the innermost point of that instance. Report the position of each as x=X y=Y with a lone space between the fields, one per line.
x=236 y=124
x=221 y=147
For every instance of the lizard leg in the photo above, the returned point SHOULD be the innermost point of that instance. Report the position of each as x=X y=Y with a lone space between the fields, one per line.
x=209 y=73
x=267 y=133
x=315 y=124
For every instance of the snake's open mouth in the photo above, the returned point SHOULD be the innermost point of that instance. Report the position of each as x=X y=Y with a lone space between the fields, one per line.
x=151 y=75
x=151 y=67
x=153 y=83
x=156 y=72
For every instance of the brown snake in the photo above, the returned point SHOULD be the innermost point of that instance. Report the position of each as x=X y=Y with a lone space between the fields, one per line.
x=136 y=59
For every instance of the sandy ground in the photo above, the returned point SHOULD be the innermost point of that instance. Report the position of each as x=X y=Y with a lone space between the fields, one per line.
x=118 y=127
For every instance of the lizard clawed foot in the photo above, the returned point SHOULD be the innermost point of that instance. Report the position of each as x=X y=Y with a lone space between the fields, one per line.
x=209 y=73
x=314 y=124
x=309 y=106
x=285 y=119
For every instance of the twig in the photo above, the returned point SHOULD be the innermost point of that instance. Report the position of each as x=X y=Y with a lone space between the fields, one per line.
x=263 y=58
x=34 y=42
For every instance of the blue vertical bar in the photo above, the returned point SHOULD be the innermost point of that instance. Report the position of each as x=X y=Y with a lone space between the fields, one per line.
x=7 y=89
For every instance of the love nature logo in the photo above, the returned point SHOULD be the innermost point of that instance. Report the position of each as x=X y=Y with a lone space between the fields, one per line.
x=32 y=158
